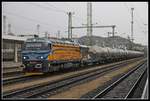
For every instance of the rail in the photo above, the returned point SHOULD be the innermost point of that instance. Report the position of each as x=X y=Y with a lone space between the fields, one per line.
x=109 y=88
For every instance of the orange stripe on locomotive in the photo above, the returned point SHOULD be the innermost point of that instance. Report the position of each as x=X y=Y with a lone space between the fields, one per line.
x=65 y=52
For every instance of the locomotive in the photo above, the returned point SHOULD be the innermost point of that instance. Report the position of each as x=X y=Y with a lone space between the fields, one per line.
x=42 y=55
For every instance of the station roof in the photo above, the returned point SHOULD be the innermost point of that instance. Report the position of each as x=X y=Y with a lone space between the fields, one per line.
x=16 y=38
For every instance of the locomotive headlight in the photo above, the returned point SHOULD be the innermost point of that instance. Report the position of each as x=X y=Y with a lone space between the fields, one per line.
x=41 y=57
x=24 y=57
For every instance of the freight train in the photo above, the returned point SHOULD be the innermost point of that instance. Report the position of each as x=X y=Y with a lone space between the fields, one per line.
x=43 y=55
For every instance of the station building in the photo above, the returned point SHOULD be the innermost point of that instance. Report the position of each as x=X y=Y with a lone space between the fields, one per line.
x=11 y=48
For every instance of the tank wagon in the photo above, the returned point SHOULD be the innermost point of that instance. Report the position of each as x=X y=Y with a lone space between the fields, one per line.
x=42 y=55
x=107 y=54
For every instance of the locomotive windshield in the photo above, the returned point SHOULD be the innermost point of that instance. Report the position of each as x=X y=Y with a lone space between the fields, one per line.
x=36 y=46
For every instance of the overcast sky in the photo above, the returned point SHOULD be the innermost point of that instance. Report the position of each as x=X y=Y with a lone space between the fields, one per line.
x=24 y=16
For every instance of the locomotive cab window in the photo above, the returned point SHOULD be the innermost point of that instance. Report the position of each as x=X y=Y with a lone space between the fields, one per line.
x=36 y=46
x=49 y=46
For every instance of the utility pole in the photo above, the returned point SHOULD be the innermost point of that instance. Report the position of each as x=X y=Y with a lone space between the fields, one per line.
x=70 y=24
x=89 y=19
x=132 y=26
x=113 y=31
x=38 y=29
x=4 y=24
x=9 y=28
x=46 y=34
x=145 y=29
x=109 y=33
x=130 y=43
x=58 y=34
x=89 y=22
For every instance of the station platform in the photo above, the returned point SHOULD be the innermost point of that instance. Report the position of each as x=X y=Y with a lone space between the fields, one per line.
x=11 y=64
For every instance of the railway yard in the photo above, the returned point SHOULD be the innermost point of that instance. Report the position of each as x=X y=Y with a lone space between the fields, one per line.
x=59 y=52
x=114 y=80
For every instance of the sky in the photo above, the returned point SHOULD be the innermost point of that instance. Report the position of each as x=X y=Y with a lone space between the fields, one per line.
x=52 y=17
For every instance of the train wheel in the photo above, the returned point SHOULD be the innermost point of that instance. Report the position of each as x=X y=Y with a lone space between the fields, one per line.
x=61 y=66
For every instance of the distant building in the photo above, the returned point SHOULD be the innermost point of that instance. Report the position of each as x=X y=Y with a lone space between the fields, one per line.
x=12 y=34
x=28 y=36
x=52 y=37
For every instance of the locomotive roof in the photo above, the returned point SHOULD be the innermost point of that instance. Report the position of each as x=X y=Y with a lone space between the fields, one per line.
x=51 y=41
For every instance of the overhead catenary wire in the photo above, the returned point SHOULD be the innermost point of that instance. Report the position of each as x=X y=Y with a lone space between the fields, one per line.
x=32 y=18
x=23 y=17
x=19 y=27
x=44 y=7
x=137 y=20
x=137 y=16
x=137 y=13
x=47 y=8
x=60 y=10
x=56 y=8
x=27 y=29
x=29 y=19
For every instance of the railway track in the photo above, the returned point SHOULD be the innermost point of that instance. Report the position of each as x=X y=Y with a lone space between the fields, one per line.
x=22 y=78
x=137 y=89
x=46 y=89
x=124 y=87
x=16 y=80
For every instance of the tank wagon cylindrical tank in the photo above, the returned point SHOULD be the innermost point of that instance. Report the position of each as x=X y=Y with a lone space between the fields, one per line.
x=107 y=54
x=98 y=53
